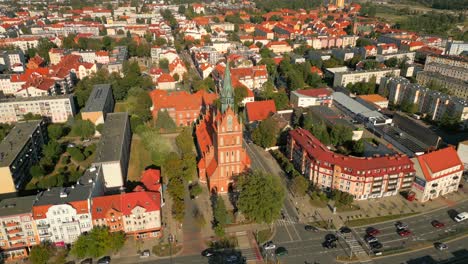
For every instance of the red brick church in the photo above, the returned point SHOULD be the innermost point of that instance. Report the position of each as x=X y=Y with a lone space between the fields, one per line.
x=219 y=142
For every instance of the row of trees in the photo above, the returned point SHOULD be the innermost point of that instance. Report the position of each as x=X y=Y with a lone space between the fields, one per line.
x=98 y=242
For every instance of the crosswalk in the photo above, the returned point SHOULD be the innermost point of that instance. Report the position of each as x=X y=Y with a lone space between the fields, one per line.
x=286 y=220
x=249 y=253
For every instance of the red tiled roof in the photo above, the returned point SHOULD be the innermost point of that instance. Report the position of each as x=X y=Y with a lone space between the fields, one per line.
x=318 y=151
x=180 y=100
x=315 y=92
x=165 y=78
x=125 y=203
x=151 y=179
x=438 y=161
x=260 y=110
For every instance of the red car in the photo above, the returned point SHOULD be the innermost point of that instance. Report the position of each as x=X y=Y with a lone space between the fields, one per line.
x=404 y=233
x=437 y=224
x=372 y=231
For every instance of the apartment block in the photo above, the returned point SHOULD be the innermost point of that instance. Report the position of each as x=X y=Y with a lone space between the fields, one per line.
x=408 y=56
x=19 y=150
x=456 y=47
x=56 y=108
x=345 y=78
x=455 y=86
x=113 y=150
x=447 y=60
x=18 y=231
x=364 y=178
x=311 y=97
x=437 y=173
x=99 y=104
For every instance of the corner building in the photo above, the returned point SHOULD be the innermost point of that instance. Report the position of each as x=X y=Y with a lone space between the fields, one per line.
x=363 y=178
x=219 y=142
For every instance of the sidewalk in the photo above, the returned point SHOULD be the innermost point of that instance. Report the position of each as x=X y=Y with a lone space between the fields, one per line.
x=394 y=205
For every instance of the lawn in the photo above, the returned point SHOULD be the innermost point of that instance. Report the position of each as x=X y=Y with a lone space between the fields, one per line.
x=316 y=202
x=120 y=107
x=164 y=250
x=140 y=158
x=374 y=220
x=347 y=208
x=264 y=235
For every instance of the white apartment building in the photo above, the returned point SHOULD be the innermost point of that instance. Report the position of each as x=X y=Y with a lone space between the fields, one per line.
x=408 y=56
x=437 y=173
x=345 y=78
x=57 y=108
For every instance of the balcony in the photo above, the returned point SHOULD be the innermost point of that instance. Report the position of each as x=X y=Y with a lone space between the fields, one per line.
x=407 y=179
x=14 y=238
x=392 y=182
x=14 y=231
x=11 y=224
x=18 y=244
x=43 y=226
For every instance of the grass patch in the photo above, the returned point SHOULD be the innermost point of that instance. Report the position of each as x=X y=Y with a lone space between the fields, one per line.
x=164 y=250
x=139 y=159
x=347 y=208
x=316 y=202
x=264 y=235
x=374 y=220
x=120 y=107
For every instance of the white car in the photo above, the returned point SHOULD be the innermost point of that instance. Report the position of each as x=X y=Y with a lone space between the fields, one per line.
x=461 y=217
x=269 y=245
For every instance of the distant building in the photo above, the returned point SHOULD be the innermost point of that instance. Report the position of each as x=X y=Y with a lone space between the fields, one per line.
x=364 y=178
x=259 y=110
x=456 y=47
x=455 y=86
x=358 y=111
x=99 y=104
x=463 y=153
x=331 y=117
x=19 y=150
x=345 y=78
x=113 y=150
x=400 y=56
x=18 y=230
x=374 y=100
x=438 y=173
x=56 y=108
x=13 y=60
x=311 y=97
x=184 y=108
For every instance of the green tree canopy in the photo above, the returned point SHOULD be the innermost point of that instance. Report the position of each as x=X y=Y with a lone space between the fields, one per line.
x=261 y=196
x=300 y=185
x=98 y=242
x=83 y=129
x=164 y=122
x=266 y=133
x=55 y=131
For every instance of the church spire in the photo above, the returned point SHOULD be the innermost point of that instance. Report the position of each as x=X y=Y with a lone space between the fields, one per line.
x=227 y=94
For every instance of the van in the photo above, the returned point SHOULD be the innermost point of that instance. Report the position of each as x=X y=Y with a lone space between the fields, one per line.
x=461 y=217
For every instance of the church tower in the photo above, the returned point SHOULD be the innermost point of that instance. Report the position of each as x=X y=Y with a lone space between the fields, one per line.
x=228 y=157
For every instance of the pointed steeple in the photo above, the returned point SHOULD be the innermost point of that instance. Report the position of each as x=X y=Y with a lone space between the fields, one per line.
x=227 y=94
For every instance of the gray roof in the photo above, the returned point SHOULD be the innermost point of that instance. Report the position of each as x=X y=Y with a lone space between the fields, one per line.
x=14 y=142
x=17 y=205
x=110 y=146
x=423 y=134
x=61 y=195
x=98 y=97
x=330 y=116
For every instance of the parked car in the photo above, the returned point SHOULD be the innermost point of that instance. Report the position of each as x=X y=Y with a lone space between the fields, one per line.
x=269 y=245
x=208 y=252
x=145 y=254
x=372 y=231
x=311 y=228
x=404 y=233
x=329 y=245
x=437 y=224
x=440 y=246
x=104 y=260
x=400 y=225
x=345 y=230
x=331 y=238
x=377 y=252
x=370 y=239
x=376 y=245
x=87 y=261
x=281 y=251
x=461 y=217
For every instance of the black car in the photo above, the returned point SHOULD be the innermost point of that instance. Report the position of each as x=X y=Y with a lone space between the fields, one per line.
x=329 y=245
x=345 y=230
x=87 y=261
x=331 y=238
x=104 y=260
x=376 y=245
x=208 y=252
x=310 y=228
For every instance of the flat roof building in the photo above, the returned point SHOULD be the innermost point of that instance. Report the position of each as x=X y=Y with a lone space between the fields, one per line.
x=19 y=150
x=113 y=150
x=99 y=104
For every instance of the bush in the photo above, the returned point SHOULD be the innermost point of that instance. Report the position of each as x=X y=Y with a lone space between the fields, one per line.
x=195 y=190
x=36 y=171
x=76 y=154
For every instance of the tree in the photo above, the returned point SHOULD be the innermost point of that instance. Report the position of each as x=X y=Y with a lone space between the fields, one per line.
x=55 y=131
x=36 y=171
x=164 y=122
x=41 y=253
x=4 y=130
x=164 y=64
x=361 y=42
x=76 y=154
x=358 y=147
x=184 y=142
x=281 y=99
x=392 y=62
x=299 y=185
x=195 y=190
x=266 y=134
x=340 y=134
x=261 y=196
x=83 y=129
x=220 y=215
x=52 y=150
x=31 y=116
x=99 y=241
x=139 y=103
x=240 y=92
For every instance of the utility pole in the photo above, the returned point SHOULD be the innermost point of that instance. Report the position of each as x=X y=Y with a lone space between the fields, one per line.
x=170 y=239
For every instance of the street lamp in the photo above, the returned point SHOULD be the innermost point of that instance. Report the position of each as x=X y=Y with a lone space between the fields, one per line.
x=170 y=239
